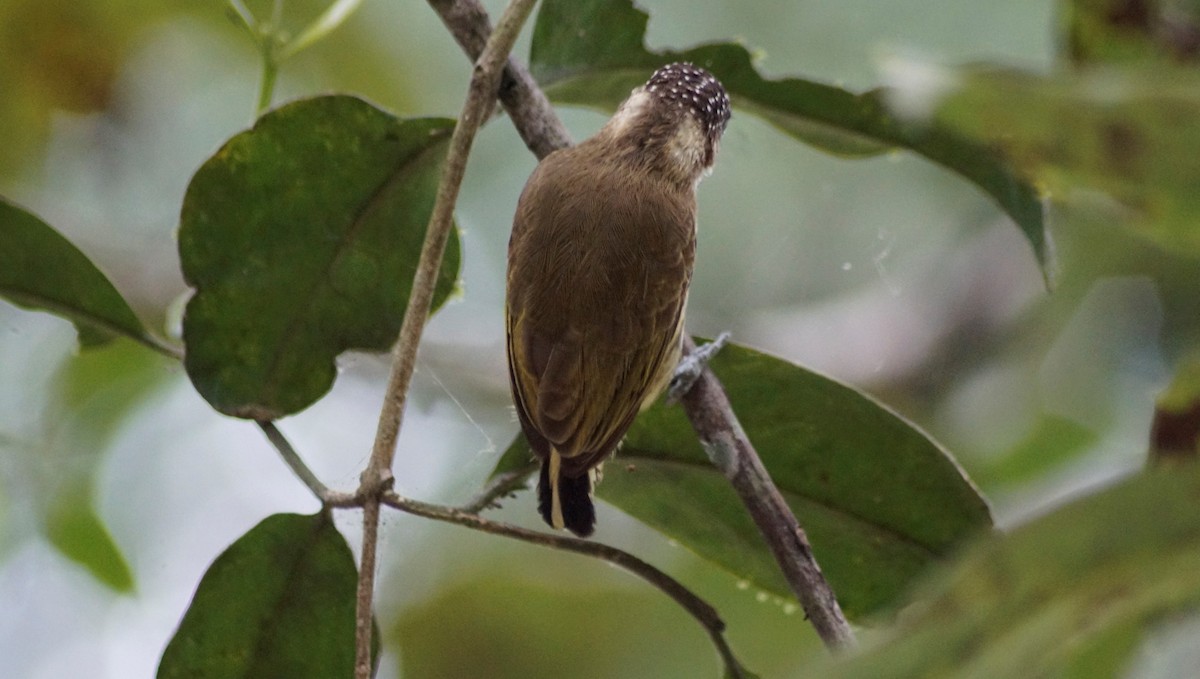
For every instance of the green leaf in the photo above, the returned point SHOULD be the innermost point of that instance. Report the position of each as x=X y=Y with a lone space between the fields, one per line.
x=1127 y=133
x=1052 y=443
x=39 y=269
x=80 y=535
x=277 y=604
x=95 y=392
x=301 y=237
x=91 y=396
x=592 y=53
x=879 y=500
x=1072 y=594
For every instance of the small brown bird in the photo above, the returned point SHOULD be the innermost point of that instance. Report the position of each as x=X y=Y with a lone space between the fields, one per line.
x=599 y=265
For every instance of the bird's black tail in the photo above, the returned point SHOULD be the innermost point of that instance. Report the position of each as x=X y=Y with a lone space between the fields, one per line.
x=572 y=495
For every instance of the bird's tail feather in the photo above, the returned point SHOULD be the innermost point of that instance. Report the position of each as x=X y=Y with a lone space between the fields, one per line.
x=565 y=501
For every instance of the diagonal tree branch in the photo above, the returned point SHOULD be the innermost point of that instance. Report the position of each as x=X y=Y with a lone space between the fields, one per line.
x=706 y=405
x=526 y=104
x=727 y=446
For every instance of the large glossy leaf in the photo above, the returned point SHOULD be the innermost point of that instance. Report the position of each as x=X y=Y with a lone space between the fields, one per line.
x=39 y=269
x=278 y=603
x=592 y=52
x=1127 y=133
x=301 y=237
x=1073 y=594
x=880 y=500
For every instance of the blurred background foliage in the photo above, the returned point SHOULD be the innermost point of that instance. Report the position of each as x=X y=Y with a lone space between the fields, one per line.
x=118 y=485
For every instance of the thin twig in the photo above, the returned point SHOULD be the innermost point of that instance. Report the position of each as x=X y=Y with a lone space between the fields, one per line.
x=468 y=516
x=699 y=609
x=530 y=110
x=293 y=460
x=246 y=17
x=706 y=405
x=502 y=485
x=730 y=450
x=365 y=589
x=377 y=477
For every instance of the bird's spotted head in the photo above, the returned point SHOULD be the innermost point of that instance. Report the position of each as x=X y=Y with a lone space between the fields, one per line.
x=672 y=123
x=698 y=93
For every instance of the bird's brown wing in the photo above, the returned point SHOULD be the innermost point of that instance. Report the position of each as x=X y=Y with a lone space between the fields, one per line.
x=595 y=304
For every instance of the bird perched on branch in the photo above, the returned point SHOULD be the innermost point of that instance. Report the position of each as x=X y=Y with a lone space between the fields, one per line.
x=599 y=265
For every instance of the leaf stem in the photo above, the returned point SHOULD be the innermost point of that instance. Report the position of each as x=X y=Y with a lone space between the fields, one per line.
x=156 y=344
x=330 y=19
x=292 y=458
x=270 y=74
x=141 y=336
x=244 y=14
x=377 y=477
x=265 y=36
